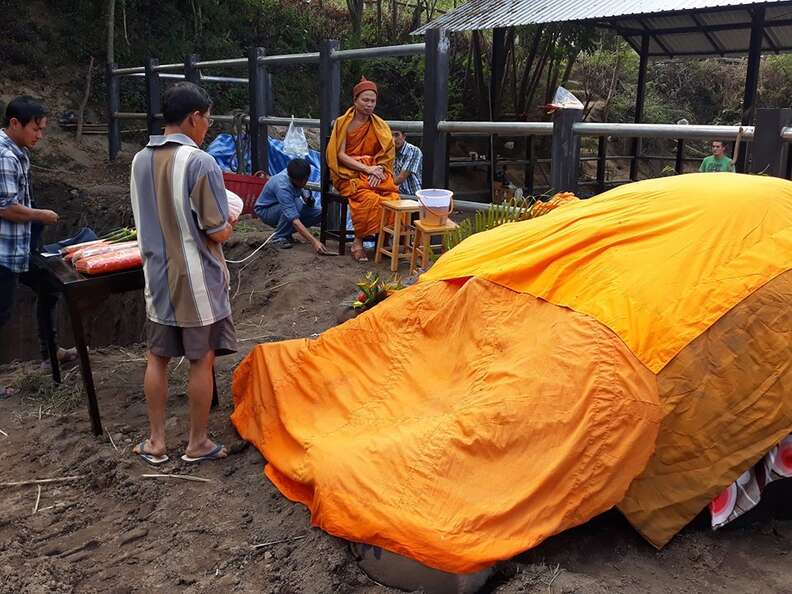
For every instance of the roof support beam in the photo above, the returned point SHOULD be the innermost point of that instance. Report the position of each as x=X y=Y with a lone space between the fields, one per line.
x=703 y=28
x=713 y=42
x=752 y=76
x=658 y=41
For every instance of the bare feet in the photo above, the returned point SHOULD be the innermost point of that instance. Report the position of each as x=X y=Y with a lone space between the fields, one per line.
x=359 y=254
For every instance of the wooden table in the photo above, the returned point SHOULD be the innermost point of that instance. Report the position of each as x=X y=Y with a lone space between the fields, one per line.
x=82 y=293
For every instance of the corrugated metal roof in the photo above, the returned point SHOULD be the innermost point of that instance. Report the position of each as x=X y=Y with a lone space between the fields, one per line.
x=677 y=27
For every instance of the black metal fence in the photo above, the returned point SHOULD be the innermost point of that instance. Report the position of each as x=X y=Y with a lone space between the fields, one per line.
x=770 y=138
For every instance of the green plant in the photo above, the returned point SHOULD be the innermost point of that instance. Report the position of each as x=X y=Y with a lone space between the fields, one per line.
x=373 y=290
x=511 y=211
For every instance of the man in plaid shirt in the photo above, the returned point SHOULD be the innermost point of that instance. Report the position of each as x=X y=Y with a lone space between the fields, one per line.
x=408 y=165
x=24 y=123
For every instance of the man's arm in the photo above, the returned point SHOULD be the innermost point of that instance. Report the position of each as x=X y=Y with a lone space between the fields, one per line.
x=17 y=213
x=318 y=246
x=400 y=179
x=222 y=235
x=10 y=207
x=209 y=200
x=289 y=209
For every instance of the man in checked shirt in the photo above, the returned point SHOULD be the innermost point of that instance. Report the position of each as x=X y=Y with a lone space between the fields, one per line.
x=408 y=165
x=23 y=126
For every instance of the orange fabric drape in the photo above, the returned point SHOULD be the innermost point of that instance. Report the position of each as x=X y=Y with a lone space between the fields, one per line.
x=372 y=143
x=455 y=424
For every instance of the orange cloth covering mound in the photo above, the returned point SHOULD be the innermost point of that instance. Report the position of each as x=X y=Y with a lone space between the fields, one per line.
x=517 y=390
x=656 y=261
x=487 y=422
x=373 y=144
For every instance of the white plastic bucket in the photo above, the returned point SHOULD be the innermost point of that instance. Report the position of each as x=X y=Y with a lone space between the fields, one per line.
x=436 y=204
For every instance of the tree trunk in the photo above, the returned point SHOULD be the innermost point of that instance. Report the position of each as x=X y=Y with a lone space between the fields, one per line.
x=81 y=113
x=570 y=65
x=379 y=21
x=394 y=19
x=355 y=8
x=523 y=93
x=478 y=68
x=539 y=70
x=110 y=31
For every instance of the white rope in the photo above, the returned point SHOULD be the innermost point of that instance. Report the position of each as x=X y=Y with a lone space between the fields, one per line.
x=242 y=261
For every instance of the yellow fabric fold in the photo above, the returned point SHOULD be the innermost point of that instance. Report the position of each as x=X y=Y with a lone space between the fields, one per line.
x=658 y=261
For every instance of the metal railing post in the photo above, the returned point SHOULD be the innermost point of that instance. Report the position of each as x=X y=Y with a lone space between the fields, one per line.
x=113 y=107
x=329 y=108
x=153 y=99
x=679 y=162
x=530 y=168
x=565 y=151
x=435 y=108
x=191 y=71
x=257 y=100
x=602 y=160
x=769 y=153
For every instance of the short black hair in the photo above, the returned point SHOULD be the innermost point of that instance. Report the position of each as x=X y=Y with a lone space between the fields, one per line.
x=182 y=99
x=25 y=109
x=299 y=169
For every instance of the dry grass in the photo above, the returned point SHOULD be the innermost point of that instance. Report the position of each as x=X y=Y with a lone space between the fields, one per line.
x=47 y=397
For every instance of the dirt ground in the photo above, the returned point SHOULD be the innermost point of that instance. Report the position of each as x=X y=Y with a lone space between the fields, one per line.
x=112 y=529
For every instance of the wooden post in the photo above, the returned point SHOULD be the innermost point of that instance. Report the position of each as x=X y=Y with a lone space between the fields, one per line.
x=769 y=153
x=153 y=99
x=602 y=162
x=258 y=101
x=191 y=72
x=565 y=151
x=640 y=97
x=113 y=107
x=751 y=78
x=329 y=108
x=435 y=108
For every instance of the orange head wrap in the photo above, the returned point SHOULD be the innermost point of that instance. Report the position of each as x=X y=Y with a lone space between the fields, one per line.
x=363 y=85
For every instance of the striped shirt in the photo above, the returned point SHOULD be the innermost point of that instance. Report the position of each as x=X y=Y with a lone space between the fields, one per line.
x=14 y=189
x=178 y=199
x=409 y=158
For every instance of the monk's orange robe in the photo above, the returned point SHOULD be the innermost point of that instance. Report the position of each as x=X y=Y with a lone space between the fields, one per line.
x=371 y=144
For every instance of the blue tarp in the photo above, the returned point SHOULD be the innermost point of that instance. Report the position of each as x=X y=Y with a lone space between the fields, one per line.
x=223 y=149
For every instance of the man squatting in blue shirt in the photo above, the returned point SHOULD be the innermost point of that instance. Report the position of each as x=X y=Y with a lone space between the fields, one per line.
x=285 y=205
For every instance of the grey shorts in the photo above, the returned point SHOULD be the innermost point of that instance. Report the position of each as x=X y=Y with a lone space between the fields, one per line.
x=193 y=343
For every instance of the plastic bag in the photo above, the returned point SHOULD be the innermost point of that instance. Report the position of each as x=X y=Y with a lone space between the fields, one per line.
x=235 y=205
x=295 y=142
x=563 y=99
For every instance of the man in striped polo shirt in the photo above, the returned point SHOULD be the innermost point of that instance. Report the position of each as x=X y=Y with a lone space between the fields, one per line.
x=181 y=214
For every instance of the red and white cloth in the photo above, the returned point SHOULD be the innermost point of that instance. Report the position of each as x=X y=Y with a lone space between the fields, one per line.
x=744 y=494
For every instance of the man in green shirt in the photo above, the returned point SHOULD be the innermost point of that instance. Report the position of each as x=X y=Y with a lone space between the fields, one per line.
x=718 y=161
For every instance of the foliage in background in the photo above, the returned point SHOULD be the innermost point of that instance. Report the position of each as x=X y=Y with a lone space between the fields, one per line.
x=45 y=38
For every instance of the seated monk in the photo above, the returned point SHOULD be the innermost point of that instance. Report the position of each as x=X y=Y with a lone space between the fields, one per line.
x=360 y=156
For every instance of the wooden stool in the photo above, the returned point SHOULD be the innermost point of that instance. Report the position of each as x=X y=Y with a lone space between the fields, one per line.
x=423 y=237
x=401 y=228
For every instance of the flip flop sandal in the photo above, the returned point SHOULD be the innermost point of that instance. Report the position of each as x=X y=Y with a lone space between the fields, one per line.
x=213 y=455
x=152 y=459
